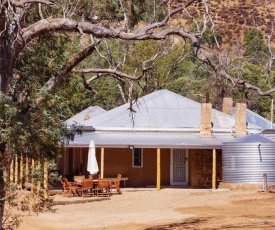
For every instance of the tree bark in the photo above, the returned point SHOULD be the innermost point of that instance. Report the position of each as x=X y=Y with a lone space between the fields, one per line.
x=2 y=197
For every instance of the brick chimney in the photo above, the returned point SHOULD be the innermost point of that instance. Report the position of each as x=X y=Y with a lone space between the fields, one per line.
x=240 y=119
x=206 y=117
x=227 y=105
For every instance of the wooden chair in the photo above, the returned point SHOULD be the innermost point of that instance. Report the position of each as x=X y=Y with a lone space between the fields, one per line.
x=103 y=187
x=65 y=188
x=78 y=179
x=87 y=187
x=70 y=188
x=91 y=176
x=116 y=184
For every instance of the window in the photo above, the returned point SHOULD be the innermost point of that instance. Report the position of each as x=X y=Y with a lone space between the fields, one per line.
x=137 y=157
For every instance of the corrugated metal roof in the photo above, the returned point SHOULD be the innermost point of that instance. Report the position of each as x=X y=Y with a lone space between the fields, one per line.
x=253 y=138
x=151 y=140
x=85 y=115
x=162 y=119
x=161 y=109
x=256 y=119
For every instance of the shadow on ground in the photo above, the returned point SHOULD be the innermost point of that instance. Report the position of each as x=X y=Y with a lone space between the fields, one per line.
x=202 y=223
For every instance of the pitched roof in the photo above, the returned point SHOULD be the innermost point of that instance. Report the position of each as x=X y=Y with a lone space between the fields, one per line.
x=85 y=115
x=161 y=119
x=256 y=119
x=160 y=110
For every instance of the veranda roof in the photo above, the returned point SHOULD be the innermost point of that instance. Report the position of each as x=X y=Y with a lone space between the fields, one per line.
x=151 y=140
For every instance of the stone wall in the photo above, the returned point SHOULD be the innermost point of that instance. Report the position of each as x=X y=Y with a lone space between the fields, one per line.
x=200 y=168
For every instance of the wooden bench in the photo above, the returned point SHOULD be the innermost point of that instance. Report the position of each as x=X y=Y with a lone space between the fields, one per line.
x=124 y=179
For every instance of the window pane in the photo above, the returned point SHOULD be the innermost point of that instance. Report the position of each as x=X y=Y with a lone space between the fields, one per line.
x=136 y=162
x=137 y=157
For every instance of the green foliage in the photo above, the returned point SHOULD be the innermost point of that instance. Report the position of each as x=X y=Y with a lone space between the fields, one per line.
x=254 y=46
x=38 y=130
x=211 y=38
x=105 y=94
x=245 y=67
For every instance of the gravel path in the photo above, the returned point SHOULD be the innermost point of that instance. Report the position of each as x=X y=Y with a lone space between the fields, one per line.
x=134 y=209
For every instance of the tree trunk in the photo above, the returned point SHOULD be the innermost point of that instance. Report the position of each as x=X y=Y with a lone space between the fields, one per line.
x=130 y=14
x=6 y=65
x=2 y=196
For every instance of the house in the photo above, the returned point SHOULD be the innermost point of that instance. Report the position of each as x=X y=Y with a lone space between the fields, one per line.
x=166 y=140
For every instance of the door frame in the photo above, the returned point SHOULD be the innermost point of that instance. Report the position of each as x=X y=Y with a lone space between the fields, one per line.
x=186 y=168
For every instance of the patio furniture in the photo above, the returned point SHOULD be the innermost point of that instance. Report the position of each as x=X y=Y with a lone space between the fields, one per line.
x=123 y=179
x=86 y=187
x=78 y=179
x=65 y=188
x=116 y=184
x=103 y=187
x=70 y=188
x=91 y=176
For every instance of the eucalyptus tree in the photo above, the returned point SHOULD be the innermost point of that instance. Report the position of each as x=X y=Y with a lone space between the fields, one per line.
x=31 y=70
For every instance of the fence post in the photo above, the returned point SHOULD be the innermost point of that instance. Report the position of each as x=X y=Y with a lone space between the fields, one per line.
x=265 y=182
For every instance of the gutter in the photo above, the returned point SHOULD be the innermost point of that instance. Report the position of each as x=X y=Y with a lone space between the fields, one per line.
x=72 y=145
x=175 y=130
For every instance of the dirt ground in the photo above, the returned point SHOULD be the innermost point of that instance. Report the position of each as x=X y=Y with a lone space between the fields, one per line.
x=166 y=209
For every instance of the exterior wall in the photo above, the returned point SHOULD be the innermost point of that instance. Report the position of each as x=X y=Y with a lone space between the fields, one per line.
x=200 y=168
x=73 y=161
x=120 y=161
x=116 y=161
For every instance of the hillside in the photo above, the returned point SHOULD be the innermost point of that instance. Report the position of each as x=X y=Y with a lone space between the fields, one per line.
x=233 y=18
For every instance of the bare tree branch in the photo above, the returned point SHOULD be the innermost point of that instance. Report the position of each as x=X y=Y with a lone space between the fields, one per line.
x=271 y=56
x=245 y=83
x=152 y=31
x=22 y=3
x=40 y=11
x=168 y=16
x=118 y=73
x=51 y=83
x=125 y=25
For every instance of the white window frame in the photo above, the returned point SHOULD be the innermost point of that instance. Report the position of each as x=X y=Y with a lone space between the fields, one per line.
x=133 y=158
